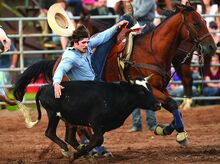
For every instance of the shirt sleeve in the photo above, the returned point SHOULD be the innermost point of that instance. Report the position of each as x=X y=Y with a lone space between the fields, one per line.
x=102 y=37
x=64 y=66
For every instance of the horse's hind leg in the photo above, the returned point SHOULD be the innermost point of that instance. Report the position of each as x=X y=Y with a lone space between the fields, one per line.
x=51 y=132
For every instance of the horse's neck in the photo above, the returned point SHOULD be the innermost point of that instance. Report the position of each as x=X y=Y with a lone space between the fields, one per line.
x=170 y=31
x=166 y=38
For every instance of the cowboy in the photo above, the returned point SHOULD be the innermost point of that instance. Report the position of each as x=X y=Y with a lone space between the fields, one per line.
x=76 y=60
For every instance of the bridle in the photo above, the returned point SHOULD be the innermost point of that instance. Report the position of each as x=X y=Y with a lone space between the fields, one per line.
x=196 y=40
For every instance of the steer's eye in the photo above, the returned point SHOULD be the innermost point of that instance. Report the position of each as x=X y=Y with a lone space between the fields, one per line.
x=197 y=25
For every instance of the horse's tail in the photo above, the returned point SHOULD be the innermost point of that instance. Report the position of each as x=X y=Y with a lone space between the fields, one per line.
x=31 y=74
x=38 y=108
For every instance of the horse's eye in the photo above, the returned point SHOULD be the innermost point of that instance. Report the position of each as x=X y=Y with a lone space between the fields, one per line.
x=197 y=25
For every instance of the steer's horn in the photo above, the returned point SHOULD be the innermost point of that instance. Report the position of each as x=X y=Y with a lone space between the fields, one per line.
x=131 y=82
x=148 y=77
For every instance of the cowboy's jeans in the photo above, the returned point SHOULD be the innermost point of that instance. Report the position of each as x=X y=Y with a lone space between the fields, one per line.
x=150 y=119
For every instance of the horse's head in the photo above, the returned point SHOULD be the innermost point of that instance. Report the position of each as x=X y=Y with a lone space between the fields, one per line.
x=194 y=30
x=5 y=42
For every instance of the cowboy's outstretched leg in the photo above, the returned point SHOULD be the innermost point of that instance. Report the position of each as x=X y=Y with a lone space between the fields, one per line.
x=177 y=124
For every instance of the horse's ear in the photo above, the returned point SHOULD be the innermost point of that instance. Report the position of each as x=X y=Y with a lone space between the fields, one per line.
x=179 y=7
x=188 y=4
x=87 y=18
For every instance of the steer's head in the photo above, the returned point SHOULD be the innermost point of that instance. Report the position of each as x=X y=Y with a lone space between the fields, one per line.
x=145 y=97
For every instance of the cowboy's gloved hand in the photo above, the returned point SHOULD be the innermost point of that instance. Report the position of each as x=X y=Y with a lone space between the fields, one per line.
x=122 y=23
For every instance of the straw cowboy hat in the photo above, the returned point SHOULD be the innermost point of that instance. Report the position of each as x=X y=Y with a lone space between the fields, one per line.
x=59 y=21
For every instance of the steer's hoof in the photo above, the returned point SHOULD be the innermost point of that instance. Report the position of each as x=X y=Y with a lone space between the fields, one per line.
x=159 y=130
x=65 y=153
x=182 y=139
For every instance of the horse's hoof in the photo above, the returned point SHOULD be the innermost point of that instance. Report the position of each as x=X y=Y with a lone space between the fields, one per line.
x=182 y=138
x=159 y=130
x=65 y=153
x=186 y=104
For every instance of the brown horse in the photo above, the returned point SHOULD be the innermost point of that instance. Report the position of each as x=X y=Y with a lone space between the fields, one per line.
x=152 y=55
x=181 y=65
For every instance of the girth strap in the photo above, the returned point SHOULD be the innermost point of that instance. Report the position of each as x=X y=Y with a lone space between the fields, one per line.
x=149 y=66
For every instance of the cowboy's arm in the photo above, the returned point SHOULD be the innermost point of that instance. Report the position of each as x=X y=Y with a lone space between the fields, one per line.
x=143 y=10
x=106 y=35
x=64 y=66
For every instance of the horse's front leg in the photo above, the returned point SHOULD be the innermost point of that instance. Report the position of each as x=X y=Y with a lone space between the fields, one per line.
x=186 y=76
x=177 y=124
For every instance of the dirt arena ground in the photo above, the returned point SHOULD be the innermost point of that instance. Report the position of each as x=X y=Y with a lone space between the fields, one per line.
x=20 y=145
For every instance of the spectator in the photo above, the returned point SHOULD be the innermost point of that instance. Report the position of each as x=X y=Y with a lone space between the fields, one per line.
x=89 y=4
x=217 y=2
x=209 y=9
x=176 y=88
x=7 y=61
x=44 y=6
x=213 y=73
x=196 y=74
x=120 y=7
x=77 y=5
x=213 y=29
x=102 y=9
x=162 y=6
x=144 y=13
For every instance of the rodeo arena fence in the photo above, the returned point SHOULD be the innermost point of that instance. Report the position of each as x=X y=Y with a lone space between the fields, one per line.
x=20 y=36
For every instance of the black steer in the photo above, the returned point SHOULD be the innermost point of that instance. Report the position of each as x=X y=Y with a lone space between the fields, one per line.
x=101 y=106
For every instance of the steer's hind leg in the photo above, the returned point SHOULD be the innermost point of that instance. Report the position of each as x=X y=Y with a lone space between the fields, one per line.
x=51 y=132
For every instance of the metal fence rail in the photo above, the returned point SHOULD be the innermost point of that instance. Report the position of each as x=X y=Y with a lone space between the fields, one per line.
x=21 y=35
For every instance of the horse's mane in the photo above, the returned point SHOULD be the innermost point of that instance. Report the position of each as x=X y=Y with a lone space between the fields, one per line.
x=170 y=13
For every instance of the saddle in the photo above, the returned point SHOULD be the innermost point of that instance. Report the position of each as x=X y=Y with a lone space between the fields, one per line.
x=121 y=51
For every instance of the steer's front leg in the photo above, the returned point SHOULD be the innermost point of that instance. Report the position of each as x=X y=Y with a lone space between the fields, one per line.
x=96 y=140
